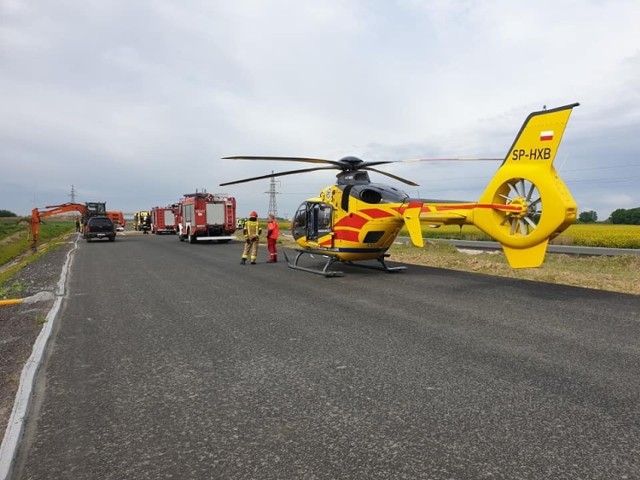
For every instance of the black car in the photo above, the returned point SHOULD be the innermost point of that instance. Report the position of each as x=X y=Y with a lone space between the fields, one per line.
x=99 y=227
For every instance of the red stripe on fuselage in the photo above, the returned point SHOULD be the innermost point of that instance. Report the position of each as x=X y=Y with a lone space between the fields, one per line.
x=470 y=206
x=376 y=213
x=348 y=235
x=352 y=220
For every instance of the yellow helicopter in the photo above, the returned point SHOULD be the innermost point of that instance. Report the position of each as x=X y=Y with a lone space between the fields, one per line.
x=356 y=220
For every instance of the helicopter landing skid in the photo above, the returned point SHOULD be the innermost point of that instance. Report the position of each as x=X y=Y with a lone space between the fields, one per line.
x=384 y=267
x=327 y=273
x=332 y=259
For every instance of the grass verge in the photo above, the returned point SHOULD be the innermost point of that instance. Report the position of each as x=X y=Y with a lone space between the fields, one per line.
x=19 y=251
x=617 y=273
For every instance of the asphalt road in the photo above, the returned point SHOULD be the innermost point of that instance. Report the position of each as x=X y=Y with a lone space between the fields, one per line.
x=172 y=360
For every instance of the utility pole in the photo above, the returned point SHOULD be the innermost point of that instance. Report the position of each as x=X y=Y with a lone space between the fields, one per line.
x=73 y=194
x=273 y=207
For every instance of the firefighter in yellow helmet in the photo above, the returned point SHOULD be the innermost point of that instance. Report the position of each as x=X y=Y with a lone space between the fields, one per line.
x=252 y=233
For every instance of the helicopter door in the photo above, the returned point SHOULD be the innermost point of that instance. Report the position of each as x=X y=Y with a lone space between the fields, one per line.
x=299 y=227
x=312 y=221
x=319 y=220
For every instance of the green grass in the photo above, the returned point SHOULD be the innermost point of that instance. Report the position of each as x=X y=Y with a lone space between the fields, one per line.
x=21 y=244
x=13 y=290
x=12 y=250
x=13 y=225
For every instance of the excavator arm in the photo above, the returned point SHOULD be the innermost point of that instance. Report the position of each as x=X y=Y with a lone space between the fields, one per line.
x=37 y=215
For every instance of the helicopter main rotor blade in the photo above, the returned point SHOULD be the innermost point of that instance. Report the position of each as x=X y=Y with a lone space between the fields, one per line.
x=279 y=174
x=345 y=164
x=395 y=177
x=284 y=159
x=379 y=162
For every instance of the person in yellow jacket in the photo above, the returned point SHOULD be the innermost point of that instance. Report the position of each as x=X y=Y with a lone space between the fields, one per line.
x=252 y=233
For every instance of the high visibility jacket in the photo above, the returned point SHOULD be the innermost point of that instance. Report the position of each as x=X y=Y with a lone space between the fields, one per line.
x=251 y=229
x=273 y=230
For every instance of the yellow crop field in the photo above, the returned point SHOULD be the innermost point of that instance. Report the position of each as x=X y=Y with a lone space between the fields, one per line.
x=588 y=235
x=601 y=235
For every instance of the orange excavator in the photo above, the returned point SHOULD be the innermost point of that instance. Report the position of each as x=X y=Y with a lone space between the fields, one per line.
x=87 y=210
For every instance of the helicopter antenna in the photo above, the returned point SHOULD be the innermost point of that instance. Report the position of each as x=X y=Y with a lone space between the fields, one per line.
x=566 y=157
x=273 y=206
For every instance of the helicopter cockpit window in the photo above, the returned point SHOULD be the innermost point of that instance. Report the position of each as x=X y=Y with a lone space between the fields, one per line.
x=324 y=219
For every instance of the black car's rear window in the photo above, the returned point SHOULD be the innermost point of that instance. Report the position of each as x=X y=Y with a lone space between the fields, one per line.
x=100 y=222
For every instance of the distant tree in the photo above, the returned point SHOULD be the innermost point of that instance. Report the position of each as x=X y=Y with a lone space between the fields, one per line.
x=7 y=213
x=588 y=217
x=626 y=216
x=618 y=216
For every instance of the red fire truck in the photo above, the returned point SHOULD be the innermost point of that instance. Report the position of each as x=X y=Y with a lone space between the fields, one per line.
x=163 y=219
x=206 y=216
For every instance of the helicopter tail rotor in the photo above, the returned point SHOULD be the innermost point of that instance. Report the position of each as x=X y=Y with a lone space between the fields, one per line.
x=537 y=204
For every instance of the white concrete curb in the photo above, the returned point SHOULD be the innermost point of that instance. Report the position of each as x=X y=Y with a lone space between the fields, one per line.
x=15 y=427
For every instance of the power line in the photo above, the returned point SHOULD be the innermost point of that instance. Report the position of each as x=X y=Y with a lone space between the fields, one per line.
x=603 y=180
x=608 y=167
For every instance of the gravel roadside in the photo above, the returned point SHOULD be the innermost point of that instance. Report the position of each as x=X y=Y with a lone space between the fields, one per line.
x=20 y=324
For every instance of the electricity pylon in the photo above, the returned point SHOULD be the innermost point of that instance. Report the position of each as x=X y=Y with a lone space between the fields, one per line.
x=273 y=207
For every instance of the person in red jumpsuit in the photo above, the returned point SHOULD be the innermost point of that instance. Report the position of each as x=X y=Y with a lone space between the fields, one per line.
x=273 y=231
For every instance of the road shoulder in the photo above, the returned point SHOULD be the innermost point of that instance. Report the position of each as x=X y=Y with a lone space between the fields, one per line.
x=20 y=324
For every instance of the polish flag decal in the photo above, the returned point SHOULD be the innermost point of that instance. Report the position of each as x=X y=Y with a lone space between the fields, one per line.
x=546 y=136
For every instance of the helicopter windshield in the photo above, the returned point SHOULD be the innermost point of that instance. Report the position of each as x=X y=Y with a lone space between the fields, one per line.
x=378 y=193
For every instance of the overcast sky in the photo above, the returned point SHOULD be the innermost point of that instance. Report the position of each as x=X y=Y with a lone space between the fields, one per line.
x=134 y=102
